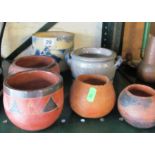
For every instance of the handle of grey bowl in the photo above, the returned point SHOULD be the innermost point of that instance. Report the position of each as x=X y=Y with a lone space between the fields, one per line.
x=68 y=58
x=118 y=62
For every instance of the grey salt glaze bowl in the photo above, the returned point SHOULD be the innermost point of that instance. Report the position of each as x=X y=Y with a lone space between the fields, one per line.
x=93 y=61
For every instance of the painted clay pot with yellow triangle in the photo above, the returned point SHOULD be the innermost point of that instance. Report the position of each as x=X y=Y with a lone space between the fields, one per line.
x=33 y=100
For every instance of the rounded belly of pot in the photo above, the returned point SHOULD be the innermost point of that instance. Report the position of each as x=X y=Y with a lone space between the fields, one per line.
x=34 y=113
x=139 y=113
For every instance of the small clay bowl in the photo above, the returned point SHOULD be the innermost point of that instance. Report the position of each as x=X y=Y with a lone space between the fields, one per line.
x=92 y=96
x=32 y=63
x=33 y=100
x=136 y=104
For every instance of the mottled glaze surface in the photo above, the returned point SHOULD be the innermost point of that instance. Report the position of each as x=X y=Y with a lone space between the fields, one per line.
x=102 y=102
x=33 y=105
x=136 y=104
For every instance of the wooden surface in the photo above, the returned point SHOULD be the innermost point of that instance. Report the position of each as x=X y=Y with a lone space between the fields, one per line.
x=132 y=40
x=152 y=28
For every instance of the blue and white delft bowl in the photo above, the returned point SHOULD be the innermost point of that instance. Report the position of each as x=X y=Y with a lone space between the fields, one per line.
x=55 y=44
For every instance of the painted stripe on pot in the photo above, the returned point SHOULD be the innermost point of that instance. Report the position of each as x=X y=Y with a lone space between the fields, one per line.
x=36 y=93
x=33 y=93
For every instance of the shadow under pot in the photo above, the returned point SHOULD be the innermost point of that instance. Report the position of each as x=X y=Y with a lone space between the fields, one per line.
x=136 y=104
x=34 y=62
x=33 y=100
x=92 y=96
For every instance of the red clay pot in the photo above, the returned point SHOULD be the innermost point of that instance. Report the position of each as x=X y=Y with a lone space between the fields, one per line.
x=32 y=63
x=92 y=96
x=33 y=100
x=136 y=104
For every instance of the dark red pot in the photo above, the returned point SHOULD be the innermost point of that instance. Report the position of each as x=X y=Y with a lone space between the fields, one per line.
x=33 y=100
x=136 y=104
x=34 y=62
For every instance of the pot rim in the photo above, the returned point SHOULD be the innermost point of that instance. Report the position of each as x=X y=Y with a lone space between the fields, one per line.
x=98 y=76
x=52 y=64
x=54 y=34
x=142 y=88
x=75 y=55
x=32 y=93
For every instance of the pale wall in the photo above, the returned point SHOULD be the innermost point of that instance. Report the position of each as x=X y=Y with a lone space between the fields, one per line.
x=87 y=34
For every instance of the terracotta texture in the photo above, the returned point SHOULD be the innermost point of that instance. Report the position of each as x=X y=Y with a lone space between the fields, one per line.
x=92 y=96
x=33 y=100
x=146 y=69
x=34 y=62
x=136 y=104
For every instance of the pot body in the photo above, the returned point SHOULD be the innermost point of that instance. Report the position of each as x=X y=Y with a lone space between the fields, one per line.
x=54 y=44
x=92 y=96
x=92 y=61
x=33 y=105
x=136 y=104
x=32 y=63
x=146 y=69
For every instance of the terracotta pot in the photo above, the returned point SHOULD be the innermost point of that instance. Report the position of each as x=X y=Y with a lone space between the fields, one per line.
x=34 y=62
x=33 y=100
x=53 y=44
x=146 y=69
x=136 y=104
x=92 y=96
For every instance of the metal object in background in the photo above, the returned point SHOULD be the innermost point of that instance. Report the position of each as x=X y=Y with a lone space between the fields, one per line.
x=117 y=39
x=107 y=34
x=112 y=34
